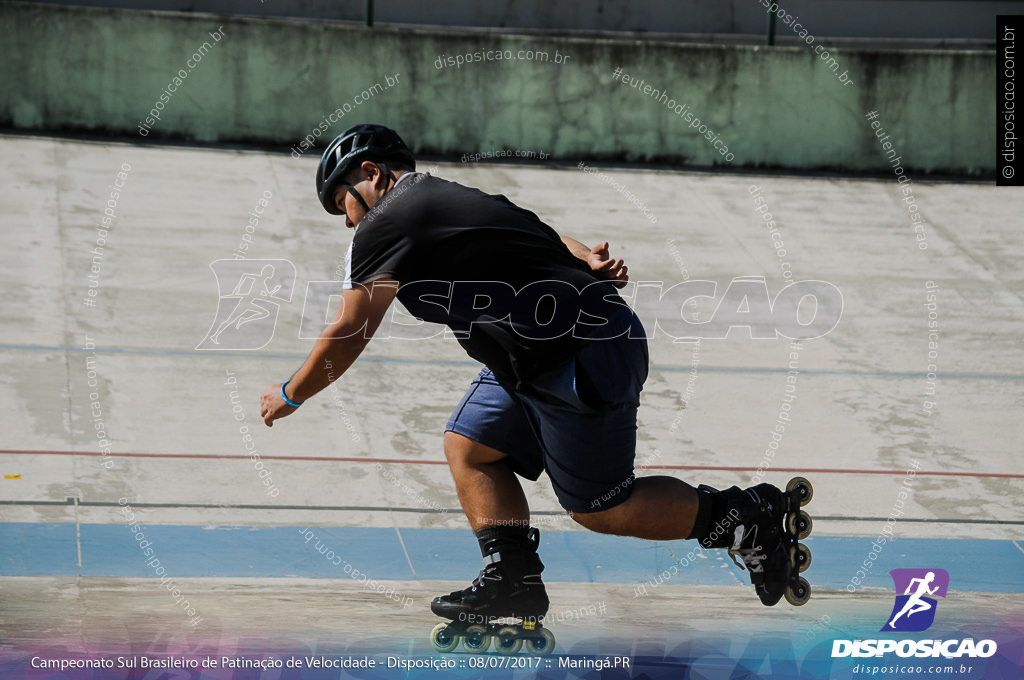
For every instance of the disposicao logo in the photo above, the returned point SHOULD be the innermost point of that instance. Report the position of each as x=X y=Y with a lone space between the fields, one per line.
x=251 y=293
x=914 y=611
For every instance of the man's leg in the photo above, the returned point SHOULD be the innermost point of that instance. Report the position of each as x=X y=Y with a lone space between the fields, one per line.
x=749 y=522
x=489 y=491
x=585 y=416
x=486 y=479
x=659 y=509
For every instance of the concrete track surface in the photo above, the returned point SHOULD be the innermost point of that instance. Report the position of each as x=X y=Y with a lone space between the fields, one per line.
x=336 y=542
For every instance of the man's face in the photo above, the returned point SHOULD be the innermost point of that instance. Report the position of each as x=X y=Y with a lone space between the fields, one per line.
x=369 y=182
x=347 y=203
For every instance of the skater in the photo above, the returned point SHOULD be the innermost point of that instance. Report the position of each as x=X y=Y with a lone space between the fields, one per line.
x=565 y=359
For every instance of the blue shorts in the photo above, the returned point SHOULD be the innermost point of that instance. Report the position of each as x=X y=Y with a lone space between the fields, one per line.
x=577 y=421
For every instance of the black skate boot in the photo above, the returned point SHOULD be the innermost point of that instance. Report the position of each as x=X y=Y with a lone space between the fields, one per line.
x=761 y=525
x=508 y=588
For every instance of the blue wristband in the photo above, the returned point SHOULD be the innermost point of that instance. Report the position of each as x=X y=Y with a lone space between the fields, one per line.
x=293 y=404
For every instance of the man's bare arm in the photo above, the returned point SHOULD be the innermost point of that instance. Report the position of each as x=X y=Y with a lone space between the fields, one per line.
x=575 y=247
x=337 y=348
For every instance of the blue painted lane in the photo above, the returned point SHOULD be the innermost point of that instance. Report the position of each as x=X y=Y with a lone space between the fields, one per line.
x=113 y=550
x=31 y=549
x=38 y=549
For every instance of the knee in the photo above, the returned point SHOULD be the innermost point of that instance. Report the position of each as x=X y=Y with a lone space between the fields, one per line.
x=457 y=451
x=462 y=451
x=454 y=449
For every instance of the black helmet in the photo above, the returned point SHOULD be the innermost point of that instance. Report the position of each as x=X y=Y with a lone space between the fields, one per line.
x=362 y=142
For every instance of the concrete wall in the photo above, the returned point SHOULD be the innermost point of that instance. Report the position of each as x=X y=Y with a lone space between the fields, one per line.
x=274 y=81
x=935 y=19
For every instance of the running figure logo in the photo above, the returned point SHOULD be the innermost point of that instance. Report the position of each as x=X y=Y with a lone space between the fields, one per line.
x=914 y=611
x=251 y=293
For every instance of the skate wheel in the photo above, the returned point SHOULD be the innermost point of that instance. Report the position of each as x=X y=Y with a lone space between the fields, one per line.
x=541 y=647
x=801 y=556
x=801 y=485
x=506 y=642
x=441 y=640
x=800 y=593
x=476 y=640
x=800 y=525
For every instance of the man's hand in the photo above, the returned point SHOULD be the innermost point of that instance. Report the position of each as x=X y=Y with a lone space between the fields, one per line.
x=603 y=264
x=272 y=406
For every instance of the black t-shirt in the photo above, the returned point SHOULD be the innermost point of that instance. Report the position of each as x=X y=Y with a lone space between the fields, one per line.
x=502 y=280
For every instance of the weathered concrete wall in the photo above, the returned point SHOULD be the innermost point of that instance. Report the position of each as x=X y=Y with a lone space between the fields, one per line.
x=925 y=19
x=274 y=81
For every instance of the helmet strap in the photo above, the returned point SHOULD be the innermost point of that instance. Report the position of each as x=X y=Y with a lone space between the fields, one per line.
x=359 y=197
x=387 y=175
